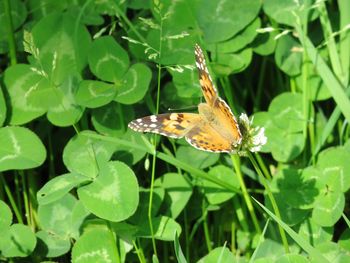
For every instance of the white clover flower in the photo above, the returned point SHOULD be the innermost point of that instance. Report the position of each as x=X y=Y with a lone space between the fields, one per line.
x=253 y=138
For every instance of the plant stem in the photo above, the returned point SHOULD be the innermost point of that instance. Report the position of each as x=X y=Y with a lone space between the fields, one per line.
x=10 y=197
x=272 y=200
x=236 y=164
x=10 y=33
x=205 y=228
x=155 y=141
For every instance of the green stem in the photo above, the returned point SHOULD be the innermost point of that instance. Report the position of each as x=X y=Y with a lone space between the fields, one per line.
x=10 y=197
x=139 y=253
x=10 y=33
x=272 y=200
x=236 y=164
x=25 y=197
x=155 y=141
x=241 y=216
x=130 y=25
x=205 y=228
x=263 y=166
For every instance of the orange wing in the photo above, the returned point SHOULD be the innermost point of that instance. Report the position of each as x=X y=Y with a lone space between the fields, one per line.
x=209 y=91
x=220 y=109
x=174 y=125
x=204 y=137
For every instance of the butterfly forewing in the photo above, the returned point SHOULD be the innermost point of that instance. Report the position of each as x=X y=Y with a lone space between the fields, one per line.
x=209 y=91
x=174 y=125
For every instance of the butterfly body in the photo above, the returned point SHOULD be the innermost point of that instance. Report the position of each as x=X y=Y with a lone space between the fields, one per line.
x=213 y=129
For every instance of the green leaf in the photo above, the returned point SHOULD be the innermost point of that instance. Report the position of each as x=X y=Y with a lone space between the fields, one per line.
x=316 y=234
x=290 y=215
x=19 y=80
x=17 y=241
x=314 y=253
x=215 y=193
x=18 y=13
x=264 y=44
x=269 y=249
x=239 y=41
x=333 y=252
x=334 y=162
x=67 y=112
x=288 y=56
x=296 y=188
x=114 y=194
x=111 y=118
x=178 y=251
x=62 y=217
x=330 y=80
x=6 y=215
x=344 y=240
x=63 y=51
x=82 y=155
x=127 y=154
x=95 y=245
x=94 y=94
x=143 y=207
x=292 y=258
x=228 y=63
x=3 y=108
x=283 y=11
x=328 y=208
x=135 y=84
x=283 y=126
x=196 y=158
x=59 y=186
x=316 y=89
x=284 y=146
x=20 y=149
x=164 y=228
x=178 y=192
x=220 y=20
x=108 y=60
x=51 y=245
x=219 y=254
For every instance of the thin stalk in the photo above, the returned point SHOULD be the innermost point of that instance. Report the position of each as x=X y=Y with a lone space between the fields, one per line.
x=233 y=237
x=187 y=241
x=272 y=200
x=205 y=228
x=139 y=253
x=130 y=25
x=155 y=141
x=236 y=164
x=25 y=197
x=263 y=167
x=11 y=199
x=262 y=73
x=10 y=33
x=240 y=214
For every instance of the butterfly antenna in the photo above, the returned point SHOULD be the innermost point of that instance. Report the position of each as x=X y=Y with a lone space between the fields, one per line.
x=192 y=107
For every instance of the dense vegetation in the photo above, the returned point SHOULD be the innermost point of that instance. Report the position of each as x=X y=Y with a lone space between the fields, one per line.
x=77 y=184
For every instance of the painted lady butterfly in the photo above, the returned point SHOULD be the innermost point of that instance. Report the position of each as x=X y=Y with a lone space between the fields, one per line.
x=214 y=129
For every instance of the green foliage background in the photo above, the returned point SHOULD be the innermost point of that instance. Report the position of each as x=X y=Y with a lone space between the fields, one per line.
x=77 y=185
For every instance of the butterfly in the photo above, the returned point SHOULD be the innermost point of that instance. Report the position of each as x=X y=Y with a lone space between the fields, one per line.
x=213 y=129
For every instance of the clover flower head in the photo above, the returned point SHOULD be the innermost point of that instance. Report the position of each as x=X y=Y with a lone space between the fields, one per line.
x=253 y=138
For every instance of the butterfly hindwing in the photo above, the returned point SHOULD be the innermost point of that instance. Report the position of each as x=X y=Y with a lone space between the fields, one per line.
x=204 y=137
x=227 y=120
x=174 y=125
